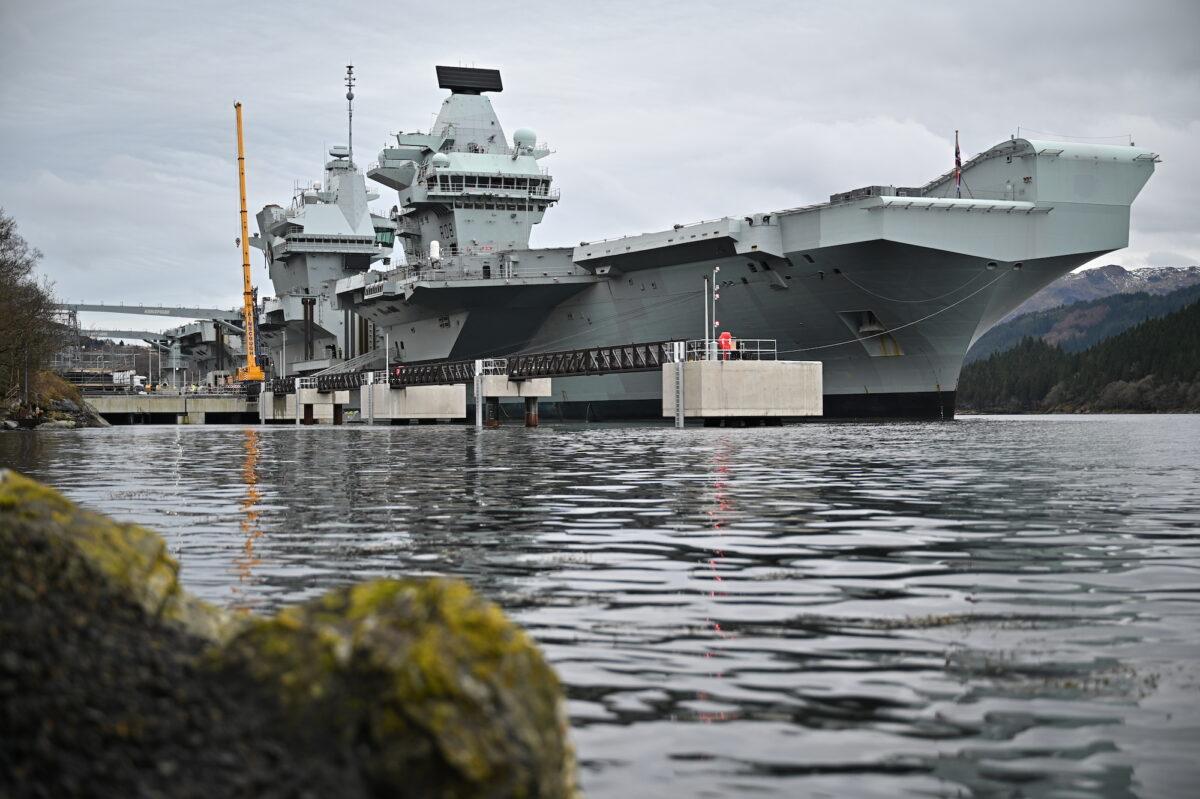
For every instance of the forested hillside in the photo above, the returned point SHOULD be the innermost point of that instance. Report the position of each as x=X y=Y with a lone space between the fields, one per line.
x=1080 y=325
x=1153 y=367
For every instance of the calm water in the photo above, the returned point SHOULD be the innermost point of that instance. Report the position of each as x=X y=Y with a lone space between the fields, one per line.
x=997 y=606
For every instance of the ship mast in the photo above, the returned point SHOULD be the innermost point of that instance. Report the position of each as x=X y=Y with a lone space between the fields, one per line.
x=350 y=112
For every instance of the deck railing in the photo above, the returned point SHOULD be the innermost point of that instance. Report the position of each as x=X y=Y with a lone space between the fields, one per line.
x=737 y=349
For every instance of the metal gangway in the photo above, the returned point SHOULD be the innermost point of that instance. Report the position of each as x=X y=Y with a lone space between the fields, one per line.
x=643 y=357
x=354 y=364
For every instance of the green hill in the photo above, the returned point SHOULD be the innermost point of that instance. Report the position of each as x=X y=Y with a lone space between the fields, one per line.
x=1080 y=325
x=1152 y=367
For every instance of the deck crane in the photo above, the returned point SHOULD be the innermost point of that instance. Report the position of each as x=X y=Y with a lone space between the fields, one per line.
x=251 y=372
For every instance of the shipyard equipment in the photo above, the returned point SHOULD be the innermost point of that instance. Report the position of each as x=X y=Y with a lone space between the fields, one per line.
x=251 y=372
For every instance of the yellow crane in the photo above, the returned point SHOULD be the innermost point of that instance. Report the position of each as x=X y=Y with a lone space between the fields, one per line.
x=251 y=372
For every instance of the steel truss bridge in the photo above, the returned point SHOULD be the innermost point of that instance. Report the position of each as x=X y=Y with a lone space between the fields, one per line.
x=169 y=311
x=564 y=363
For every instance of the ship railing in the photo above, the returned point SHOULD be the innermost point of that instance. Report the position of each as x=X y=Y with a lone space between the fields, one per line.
x=94 y=389
x=738 y=349
x=634 y=235
x=492 y=366
x=483 y=192
x=353 y=364
x=537 y=146
x=426 y=270
x=946 y=192
x=201 y=391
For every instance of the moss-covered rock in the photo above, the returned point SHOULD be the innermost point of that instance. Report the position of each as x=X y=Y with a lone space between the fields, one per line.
x=435 y=690
x=114 y=678
x=131 y=559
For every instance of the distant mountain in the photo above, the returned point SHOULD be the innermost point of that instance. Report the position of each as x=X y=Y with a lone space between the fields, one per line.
x=1079 y=325
x=1154 y=366
x=1105 y=281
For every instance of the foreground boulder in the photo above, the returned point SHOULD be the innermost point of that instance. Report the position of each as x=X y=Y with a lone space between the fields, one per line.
x=114 y=681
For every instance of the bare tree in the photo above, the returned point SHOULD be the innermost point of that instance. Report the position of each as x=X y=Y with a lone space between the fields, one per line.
x=29 y=336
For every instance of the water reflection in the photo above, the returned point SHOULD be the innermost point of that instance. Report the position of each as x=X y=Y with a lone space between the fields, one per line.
x=248 y=511
x=992 y=606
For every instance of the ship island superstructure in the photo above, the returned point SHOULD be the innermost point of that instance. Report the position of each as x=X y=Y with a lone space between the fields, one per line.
x=886 y=286
x=326 y=234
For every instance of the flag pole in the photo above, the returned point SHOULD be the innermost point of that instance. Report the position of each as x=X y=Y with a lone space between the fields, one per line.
x=957 y=168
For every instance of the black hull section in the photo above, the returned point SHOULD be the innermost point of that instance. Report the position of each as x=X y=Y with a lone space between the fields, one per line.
x=914 y=405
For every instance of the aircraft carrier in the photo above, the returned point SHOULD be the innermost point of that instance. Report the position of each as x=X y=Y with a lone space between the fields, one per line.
x=887 y=286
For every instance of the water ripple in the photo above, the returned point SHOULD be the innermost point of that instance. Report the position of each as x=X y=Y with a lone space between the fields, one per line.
x=997 y=606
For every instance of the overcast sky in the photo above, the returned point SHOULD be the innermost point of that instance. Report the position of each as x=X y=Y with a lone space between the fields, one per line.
x=117 y=126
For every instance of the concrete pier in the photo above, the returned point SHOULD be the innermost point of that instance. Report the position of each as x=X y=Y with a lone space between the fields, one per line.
x=704 y=379
x=490 y=388
x=173 y=408
x=744 y=390
x=382 y=404
x=307 y=406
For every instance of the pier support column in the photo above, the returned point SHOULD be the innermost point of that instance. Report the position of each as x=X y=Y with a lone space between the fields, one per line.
x=491 y=412
x=531 y=411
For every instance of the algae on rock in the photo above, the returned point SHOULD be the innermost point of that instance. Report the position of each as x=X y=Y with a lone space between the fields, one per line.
x=451 y=695
x=395 y=687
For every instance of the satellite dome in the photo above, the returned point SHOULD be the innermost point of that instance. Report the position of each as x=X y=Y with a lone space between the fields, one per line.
x=440 y=160
x=524 y=137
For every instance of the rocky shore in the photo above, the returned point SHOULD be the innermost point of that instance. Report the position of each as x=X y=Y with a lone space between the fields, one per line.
x=54 y=404
x=116 y=682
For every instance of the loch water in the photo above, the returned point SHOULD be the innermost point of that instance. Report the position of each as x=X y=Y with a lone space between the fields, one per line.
x=994 y=606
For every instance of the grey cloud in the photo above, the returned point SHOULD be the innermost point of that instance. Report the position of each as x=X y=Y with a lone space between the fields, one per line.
x=117 y=119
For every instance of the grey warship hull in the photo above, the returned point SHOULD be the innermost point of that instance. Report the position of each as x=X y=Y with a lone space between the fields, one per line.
x=887 y=286
x=912 y=373
x=813 y=311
